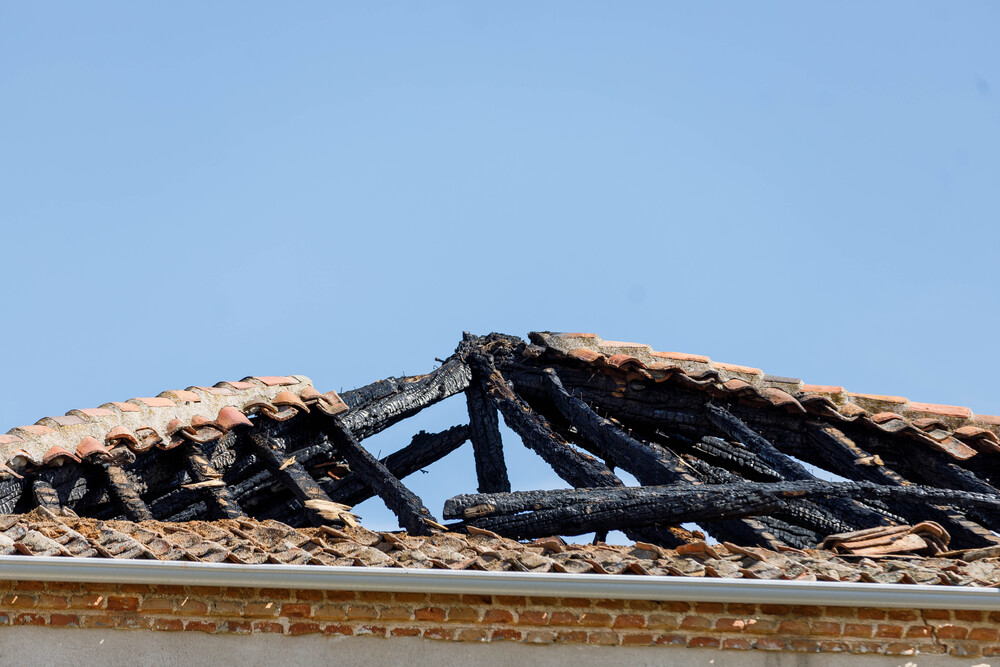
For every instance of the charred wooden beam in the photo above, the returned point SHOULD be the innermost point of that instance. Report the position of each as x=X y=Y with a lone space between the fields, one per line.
x=405 y=504
x=423 y=450
x=209 y=481
x=45 y=494
x=487 y=446
x=272 y=451
x=649 y=463
x=378 y=406
x=575 y=467
x=123 y=491
x=575 y=511
x=790 y=469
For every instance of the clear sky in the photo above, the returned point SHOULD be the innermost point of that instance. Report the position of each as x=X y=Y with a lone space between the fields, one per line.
x=193 y=192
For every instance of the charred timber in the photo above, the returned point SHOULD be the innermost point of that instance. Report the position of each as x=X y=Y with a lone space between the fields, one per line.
x=487 y=447
x=376 y=407
x=423 y=450
x=405 y=504
x=528 y=514
x=209 y=481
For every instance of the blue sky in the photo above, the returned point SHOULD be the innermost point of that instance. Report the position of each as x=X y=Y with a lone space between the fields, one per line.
x=192 y=192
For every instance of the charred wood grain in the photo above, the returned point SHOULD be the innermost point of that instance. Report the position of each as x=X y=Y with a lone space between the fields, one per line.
x=423 y=450
x=45 y=494
x=487 y=446
x=218 y=497
x=405 y=504
x=123 y=490
x=272 y=451
x=576 y=511
x=379 y=406
x=575 y=467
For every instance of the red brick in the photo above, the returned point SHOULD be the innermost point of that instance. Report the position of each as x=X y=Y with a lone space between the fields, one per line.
x=200 y=626
x=630 y=621
x=825 y=628
x=730 y=625
x=171 y=624
x=603 y=638
x=696 y=623
x=98 y=621
x=793 y=628
x=576 y=603
x=770 y=644
x=335 y=612
x=405 y=632
x=303 y=628
x=443 y=598
x=703 y=642
x=31 y=585
x=806 y=610
x=643 y=605
x=64 y=620
x=983 y=634
x=637 y=640
x=676 y=606
x=761 y=627
x=670 y=640
x=774 y=609
x=375 y=597
x=395 y=614
x=377 y=630
x=939 y=615
x=572 y=636
x=610 y=604
x=158 y=604
x=205 y=591
x=563 y=618
x=357 y=612
x=738 y=609
x=472 y=635
x=805 y=646
x=833 y=647
x=738 y=643
x=595 y=620
x=709 y=607
x=539 y=637
x=268 y=626
x=275 y=593
x=857 y=630
x=474 y=599
x=499 y=616
x=167 y=589
x=505 y=634
x=406 y=597
x=533 y=618
x=435 y=614
x=62 y=586
x=49 y=601
x=237 y=592
x=309 y=596
x=87 y=601
x=903 y=615
x=189 y=606
x=239 y=627
x=18 y=601
x=889 y=631
x=337 y=629
x=510 y=600
x=919 y=631
x=867 y=614
x=119 y=603
x=970 y=615
x=29 y=618
x=951 y=632
x=296 y=610
x=347 y=596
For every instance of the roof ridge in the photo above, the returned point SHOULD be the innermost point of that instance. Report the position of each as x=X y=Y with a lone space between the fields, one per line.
x=954 y=429
x=163 y=421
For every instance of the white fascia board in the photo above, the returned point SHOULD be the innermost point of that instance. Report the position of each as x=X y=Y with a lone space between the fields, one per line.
x=605 y=586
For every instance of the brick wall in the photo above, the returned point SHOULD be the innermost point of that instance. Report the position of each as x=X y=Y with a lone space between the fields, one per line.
x=496 y=618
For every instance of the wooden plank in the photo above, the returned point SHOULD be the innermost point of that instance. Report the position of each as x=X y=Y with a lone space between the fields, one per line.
x=209 y=482
x=122 y=489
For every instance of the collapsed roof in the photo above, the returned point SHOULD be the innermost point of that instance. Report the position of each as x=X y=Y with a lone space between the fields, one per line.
x=719 y=444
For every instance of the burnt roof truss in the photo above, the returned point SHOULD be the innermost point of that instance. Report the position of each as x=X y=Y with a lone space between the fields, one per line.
x=740 y=463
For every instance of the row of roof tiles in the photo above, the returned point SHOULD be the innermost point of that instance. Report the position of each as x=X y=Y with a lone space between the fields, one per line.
x=44 y=533
x=955 y=430
x=199 y=414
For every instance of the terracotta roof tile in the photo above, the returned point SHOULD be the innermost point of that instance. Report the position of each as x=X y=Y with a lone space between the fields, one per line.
x=943 y=410
x=154 y=402
x=680 y=356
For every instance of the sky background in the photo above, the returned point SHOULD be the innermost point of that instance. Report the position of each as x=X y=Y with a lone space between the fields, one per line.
x=195 y=192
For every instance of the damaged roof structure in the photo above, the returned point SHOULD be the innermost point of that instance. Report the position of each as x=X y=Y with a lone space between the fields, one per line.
x=266 y=470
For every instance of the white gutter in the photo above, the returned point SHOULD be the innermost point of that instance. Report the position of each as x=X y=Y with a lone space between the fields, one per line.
x=605 y=586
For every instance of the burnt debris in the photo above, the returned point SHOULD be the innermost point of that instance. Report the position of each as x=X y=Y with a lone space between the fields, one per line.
x=719 y=446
